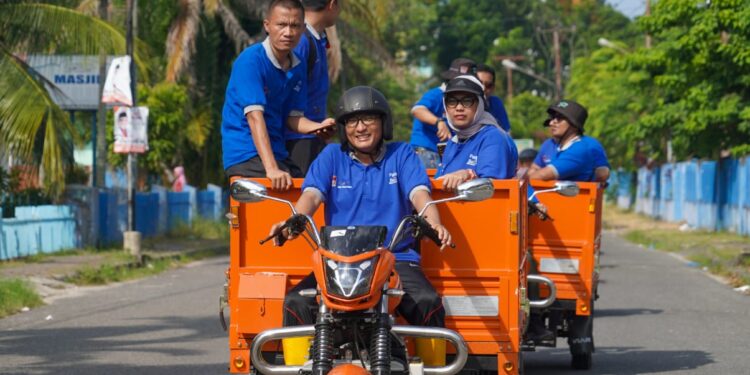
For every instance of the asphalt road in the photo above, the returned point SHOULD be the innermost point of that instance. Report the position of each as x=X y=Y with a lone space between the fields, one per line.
x=655 y=315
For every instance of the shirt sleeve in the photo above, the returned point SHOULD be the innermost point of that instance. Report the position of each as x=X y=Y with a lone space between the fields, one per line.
x=539 y=160
x=320 y=175
x=433 y=101
x=572 y=162
x=247 y=83
x=599 y=156
x=411 y=174
x=496 y=159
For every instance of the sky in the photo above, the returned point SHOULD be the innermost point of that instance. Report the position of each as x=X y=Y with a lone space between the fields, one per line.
x=631 y=8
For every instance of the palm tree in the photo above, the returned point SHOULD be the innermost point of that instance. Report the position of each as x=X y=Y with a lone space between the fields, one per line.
x=32 y=127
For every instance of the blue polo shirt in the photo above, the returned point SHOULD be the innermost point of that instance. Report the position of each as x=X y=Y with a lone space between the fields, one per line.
x=376 y=194
x=491 y=153
x=317 y=82
x=422 y=134
x=496 y=108
x=259 y=83
x=577 y=161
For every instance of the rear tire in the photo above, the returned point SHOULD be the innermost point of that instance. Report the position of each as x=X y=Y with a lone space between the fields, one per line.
x=581 y=361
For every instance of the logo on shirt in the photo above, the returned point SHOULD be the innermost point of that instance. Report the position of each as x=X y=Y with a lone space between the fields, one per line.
x=265 y=90
x=546 y=159
x=298 y=86
x=392 y=178
x=472 y=160
x=340 y=184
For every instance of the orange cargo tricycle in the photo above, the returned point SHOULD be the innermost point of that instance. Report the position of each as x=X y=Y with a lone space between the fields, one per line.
x=482 y=281
x=566 y=250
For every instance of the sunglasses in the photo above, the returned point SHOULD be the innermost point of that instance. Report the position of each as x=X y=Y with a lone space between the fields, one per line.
x=466 y=101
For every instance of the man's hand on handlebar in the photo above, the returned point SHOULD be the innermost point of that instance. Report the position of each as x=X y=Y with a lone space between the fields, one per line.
x=444 y=235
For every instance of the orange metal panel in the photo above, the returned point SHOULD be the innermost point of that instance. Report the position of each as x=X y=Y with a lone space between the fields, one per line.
x=573 y=234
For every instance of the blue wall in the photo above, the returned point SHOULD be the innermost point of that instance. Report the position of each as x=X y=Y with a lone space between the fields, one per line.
x=705 y=194
x=47 y=229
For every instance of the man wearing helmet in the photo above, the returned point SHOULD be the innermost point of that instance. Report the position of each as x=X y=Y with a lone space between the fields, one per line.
x=569 y=155
x=365 y=181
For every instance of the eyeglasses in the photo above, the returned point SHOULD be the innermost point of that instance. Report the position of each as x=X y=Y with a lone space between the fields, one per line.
x=556 y=117
x=367 y=120
x=466 y=101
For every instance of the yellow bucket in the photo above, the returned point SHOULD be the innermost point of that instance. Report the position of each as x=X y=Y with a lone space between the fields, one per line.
x=432 y=351
x=296 y=350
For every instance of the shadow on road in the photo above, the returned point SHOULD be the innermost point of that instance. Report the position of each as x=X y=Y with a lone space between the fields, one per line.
x=617 y=360
x=605 y=313
x=149 y=346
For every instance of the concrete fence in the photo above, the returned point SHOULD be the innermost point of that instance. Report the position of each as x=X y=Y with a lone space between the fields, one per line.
x=712 y=195
x=94 y=217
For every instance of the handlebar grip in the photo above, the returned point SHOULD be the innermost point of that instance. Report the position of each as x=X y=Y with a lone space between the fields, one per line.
x=534 y=210
x=427 y=230
x=296 y=225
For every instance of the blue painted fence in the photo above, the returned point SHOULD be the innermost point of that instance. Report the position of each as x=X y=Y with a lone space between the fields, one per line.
x=712 y=195
x=37 y=229
x=47 y=229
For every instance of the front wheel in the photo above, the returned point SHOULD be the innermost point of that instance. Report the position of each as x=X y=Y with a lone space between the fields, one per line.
x=581 y=361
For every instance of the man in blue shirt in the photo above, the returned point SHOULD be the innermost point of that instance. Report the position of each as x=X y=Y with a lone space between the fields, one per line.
x=365 y=181
x=266 y=93
x=429 y=126
x=495 y=105
x=312 y=47
x=570 y=155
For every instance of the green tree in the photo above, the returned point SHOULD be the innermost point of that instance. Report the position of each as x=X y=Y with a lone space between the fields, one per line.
x=32 y=126
x=700 y=67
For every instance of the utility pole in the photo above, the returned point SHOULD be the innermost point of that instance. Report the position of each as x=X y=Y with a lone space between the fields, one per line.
x=558 y=62
x=131 y=238
x=100 y=122
x=509 y=75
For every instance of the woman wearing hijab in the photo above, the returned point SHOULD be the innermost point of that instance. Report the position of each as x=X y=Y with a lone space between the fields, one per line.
x=480 y=147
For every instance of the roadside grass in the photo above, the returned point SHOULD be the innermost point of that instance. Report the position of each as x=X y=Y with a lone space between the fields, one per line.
x=16 y=294
x=201 y=228
x=721 y=253
x=111 y=273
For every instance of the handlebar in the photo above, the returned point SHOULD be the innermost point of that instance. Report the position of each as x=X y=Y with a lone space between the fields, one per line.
x=534 y=210
x=296 y=225
x=425 y=229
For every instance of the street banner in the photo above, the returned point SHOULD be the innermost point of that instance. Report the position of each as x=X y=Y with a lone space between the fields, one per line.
x=131 y=130
x=117 y=85
x=75 y=79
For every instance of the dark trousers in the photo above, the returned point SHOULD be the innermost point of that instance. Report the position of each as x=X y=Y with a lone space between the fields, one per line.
x=421 y=305
x=302 y=152
x=254 y=168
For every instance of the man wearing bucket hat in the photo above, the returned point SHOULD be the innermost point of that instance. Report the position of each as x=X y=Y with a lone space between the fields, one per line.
x=569 y=155
x=429 y=126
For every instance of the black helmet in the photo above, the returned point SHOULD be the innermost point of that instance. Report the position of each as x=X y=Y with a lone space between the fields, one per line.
x=575 y=113
x=363 y=99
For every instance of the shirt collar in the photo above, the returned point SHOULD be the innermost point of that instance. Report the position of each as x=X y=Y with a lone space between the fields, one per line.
x=272 y=57
x=378 y=158
x=315 y=33
x=569 y=143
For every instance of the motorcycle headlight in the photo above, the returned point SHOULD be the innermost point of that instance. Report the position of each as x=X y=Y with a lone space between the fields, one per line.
x=349 y=280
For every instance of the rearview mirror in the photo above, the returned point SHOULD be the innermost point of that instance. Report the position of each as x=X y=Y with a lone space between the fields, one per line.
x=247 y=191
x=567 y=188
x=476 y=190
